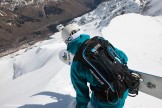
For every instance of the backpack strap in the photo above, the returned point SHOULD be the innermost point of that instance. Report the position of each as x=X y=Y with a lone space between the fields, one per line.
x=78 y=56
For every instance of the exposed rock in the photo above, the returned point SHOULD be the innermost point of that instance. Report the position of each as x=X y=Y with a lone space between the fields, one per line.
x=28 y=21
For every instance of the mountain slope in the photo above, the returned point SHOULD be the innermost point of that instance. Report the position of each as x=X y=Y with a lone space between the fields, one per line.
x=35 y=77
x=24 y=22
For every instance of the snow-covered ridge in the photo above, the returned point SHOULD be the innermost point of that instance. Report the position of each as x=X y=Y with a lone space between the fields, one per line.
x=36 y=78
x=153 y=8
x=106 y=11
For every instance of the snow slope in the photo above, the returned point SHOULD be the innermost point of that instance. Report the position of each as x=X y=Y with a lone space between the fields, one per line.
x=140 y=37
x=40 y=80
x=36 y=78
x=107 y=11
x=153 y=8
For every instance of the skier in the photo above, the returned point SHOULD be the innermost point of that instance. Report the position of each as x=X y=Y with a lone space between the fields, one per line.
x=73 y=36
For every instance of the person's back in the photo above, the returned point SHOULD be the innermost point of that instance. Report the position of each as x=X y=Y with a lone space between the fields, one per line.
x=81 y=75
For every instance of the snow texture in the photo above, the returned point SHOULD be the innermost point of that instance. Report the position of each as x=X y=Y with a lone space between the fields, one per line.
x=36 y=78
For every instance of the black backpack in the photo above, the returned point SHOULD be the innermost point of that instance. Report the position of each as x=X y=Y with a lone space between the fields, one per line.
x=107 y=67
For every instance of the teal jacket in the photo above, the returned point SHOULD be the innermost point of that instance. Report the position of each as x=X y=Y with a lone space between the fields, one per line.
x=80 y=75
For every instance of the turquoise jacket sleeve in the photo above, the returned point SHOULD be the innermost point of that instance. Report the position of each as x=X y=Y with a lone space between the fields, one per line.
x=80 y=85
x=122 y=55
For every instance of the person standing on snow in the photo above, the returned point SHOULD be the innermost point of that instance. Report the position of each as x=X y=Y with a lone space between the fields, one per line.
x=73 y=36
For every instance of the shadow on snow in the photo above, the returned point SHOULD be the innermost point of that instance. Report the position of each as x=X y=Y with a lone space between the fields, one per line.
x=63 y=101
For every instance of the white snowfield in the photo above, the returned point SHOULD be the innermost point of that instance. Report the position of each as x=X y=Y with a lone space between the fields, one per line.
x=36 y=78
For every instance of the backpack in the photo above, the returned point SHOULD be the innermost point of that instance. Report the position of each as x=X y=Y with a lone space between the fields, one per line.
x=107 y=67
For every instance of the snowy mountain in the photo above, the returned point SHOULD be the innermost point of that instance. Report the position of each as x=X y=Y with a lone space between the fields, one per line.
x=153 y=8
x=35 y=77
x=108 y=10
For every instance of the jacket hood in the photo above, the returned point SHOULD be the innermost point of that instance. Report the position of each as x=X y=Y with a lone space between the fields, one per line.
x=74 y=45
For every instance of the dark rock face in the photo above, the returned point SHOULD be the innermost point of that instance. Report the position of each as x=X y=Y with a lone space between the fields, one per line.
x=29 y=21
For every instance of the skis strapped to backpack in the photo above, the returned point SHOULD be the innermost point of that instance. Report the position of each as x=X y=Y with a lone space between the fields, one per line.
x=107 y=67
